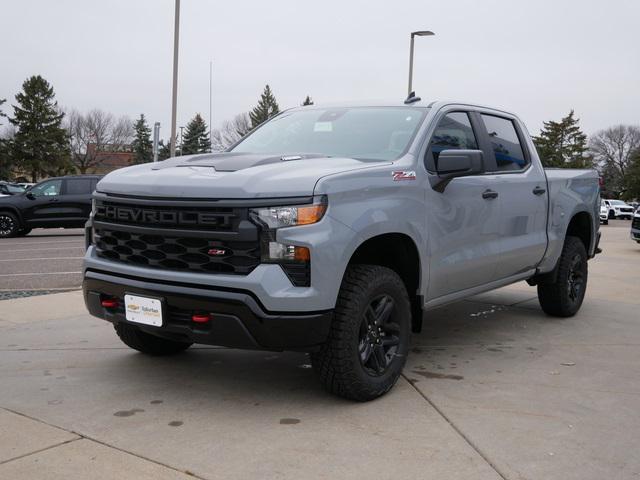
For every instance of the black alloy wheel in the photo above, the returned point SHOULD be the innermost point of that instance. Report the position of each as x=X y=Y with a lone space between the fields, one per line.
x=8 y=225
x=379 y=335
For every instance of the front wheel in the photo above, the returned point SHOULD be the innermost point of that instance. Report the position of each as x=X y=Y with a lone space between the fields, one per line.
x=9 y=226
x=564 y=296
x=369 y=338
x=146 y=343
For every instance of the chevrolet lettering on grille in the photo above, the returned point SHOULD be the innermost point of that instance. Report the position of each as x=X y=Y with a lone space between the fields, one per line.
x=160 y=217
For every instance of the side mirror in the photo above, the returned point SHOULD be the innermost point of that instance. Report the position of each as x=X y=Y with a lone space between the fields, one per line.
x=30 y=195
x=456 y=163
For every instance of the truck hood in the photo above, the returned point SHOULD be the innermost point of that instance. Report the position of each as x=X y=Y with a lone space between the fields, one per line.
x=228 y=175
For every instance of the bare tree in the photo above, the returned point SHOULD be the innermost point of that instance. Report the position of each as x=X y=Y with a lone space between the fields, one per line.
x=231 y=131
x=93 y=133
x=613 y=150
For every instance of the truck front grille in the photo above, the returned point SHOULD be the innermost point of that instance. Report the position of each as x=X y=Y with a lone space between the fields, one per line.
x=636 y=223
x=184 y=253
x=194 y=236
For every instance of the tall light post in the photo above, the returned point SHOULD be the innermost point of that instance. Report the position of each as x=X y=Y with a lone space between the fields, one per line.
x=174 y=95
x=421 y=33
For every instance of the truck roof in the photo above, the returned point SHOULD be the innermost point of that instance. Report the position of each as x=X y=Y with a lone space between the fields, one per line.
x=400 y=103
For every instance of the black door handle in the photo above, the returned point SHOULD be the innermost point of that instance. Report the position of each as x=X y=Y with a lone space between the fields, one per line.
x=489 y=194
x=53 y=200
x=538 y=191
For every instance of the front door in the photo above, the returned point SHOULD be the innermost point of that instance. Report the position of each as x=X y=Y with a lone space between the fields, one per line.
x=42 y=202
x=464 y=220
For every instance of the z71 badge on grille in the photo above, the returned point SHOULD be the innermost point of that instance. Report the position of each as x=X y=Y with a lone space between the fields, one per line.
x=403 y=175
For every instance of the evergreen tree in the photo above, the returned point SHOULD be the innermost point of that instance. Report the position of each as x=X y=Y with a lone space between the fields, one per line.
x=1 y=113
x=40 y=145
x=307 y=101
x=142 y=146
x=164 y=151
x=5 y=159
x=632 y=179
x=562 y=144
x=196 y=137
x=267 y=107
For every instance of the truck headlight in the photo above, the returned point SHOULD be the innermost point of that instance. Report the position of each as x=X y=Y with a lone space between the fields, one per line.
x=294 y=260
x=278 y=217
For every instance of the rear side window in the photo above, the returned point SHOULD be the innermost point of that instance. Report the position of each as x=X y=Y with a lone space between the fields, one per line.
x=79 y=186
x=505 y=143
x=454 y=132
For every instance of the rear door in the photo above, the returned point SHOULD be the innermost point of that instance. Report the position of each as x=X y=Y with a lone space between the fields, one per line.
x=522 y=194
x=75 y=202
x=464 y=220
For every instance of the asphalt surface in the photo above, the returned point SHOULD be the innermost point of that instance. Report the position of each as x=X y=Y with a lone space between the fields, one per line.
x=492 y=389
x=48 y=259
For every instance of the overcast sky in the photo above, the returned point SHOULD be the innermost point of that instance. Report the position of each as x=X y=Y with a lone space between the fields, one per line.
x=538 y=58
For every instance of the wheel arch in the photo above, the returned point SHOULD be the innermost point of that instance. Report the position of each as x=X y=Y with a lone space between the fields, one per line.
x=581 y=226
x=398 y=252
x=14 y=211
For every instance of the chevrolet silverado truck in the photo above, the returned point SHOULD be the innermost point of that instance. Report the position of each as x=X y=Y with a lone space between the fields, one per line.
x=330 y=230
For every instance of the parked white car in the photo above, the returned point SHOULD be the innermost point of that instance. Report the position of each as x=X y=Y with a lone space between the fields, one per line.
x=619 y=209
x=604 y=214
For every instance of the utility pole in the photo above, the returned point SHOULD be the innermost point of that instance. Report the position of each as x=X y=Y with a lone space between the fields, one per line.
x=156 y=140
x=210 y=101
x=174 y=96
x=422 y=33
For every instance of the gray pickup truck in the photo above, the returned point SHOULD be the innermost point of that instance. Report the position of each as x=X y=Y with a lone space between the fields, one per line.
x=330 y=230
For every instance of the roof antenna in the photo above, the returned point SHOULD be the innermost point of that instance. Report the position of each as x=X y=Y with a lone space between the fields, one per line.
x=412 y=99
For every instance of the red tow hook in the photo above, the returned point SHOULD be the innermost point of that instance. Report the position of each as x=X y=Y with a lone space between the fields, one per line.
x=200 y=317
x=110 y=302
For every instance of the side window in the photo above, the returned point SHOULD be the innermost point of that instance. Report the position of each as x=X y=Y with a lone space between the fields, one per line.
x=505 y=143
x=78 y=186
x=454 y=132
x=47 y=189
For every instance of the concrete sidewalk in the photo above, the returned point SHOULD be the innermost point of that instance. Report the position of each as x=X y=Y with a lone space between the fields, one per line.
x=493 y=389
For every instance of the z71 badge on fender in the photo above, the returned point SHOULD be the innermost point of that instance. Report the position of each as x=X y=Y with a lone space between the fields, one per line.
x=403 y=175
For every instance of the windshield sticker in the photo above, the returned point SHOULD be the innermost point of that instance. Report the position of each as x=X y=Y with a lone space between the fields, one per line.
x=323 y=127
x=401 y=175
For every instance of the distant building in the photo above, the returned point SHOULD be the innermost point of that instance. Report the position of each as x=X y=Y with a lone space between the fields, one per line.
x=110 y=157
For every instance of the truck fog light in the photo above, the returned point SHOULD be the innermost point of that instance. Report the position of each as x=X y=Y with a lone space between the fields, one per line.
x=279 y=252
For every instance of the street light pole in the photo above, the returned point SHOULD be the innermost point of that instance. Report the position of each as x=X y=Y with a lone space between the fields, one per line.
x=174 y=96
x=156 y=140
x=421 y=33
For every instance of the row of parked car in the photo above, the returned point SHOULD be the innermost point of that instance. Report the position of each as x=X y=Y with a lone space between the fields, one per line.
x=62 y=202
x=616 y=209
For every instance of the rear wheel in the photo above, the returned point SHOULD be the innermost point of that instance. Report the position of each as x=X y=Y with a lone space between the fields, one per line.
x=368 y=343
x=146 y=343
x=9 y=226
x=564 y=296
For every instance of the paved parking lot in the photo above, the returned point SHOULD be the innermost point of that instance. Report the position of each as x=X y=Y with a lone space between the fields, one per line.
x=493 y=389
x=45 y=259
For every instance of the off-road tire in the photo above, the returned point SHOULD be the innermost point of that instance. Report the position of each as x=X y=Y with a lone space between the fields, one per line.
x=557 y=298
x=146 y=343
x=9 y=225
x=339 y=363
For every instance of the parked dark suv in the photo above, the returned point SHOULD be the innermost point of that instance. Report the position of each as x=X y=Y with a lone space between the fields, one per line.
x=62 y=202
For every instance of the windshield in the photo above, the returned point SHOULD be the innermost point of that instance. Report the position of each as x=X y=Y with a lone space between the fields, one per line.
x=15 y=188
x=366 y=133
x=617 y=202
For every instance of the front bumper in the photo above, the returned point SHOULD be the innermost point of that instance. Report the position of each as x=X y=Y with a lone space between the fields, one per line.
x=238 y=318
